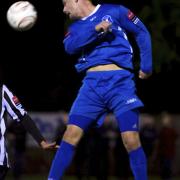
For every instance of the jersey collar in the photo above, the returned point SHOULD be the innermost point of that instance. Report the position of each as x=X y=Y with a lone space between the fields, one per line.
x=95 y=10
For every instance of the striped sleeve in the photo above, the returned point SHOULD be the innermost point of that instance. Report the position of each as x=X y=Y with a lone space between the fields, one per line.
x=12 y=104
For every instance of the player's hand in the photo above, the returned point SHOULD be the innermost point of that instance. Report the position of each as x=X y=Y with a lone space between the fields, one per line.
x=143 y=75
x=44 y=145
x=103 y=26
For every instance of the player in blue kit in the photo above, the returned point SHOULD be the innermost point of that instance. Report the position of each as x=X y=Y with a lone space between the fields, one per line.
x=99 y=36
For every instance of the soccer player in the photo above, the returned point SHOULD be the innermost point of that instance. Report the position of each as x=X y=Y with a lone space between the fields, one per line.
x=99 y=36
x=9 y=103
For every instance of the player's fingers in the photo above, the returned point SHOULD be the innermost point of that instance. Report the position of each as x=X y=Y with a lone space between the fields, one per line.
x=103 y=26
x=140 y=76
x=144 y=76
x=53 y=143
x=49 y=145
x=106 y=25
x=57 y=146
x=53 y=147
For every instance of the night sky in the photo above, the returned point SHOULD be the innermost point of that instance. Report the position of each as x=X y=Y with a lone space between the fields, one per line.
x=35 y=67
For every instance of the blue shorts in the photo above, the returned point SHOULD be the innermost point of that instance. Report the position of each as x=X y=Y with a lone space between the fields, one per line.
x=103 y=92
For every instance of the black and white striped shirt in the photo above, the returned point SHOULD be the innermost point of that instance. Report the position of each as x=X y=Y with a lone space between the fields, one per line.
x=8 y=103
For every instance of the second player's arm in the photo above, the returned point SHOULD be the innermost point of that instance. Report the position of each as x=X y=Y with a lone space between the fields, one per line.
x=17 y=112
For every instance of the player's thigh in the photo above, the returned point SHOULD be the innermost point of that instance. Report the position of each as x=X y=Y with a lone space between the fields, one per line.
x=87 y=109
x=128 y=123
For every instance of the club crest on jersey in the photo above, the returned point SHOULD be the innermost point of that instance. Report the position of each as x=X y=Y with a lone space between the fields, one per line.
x=131 y=16
x=16 y=101
x=107 y=18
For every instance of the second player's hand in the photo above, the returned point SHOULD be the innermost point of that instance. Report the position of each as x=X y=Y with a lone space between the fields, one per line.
x=44 y=145
x=143 y=75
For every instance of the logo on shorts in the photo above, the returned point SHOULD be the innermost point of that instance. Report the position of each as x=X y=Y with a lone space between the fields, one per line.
x=132 y=100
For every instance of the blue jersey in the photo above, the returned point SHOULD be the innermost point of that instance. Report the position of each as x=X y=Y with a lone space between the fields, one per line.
x=97 y=48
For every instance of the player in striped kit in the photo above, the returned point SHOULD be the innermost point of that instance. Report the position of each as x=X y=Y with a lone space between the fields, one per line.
x=99 y=36
x=9 y=103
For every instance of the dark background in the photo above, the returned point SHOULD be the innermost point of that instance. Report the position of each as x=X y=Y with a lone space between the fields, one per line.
x=35 y=67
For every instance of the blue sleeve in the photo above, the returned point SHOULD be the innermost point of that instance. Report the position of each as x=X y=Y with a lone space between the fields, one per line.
x=77 y=39
x=132 y=24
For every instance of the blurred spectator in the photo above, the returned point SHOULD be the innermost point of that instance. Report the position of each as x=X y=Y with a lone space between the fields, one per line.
x=122 y=168
x=82 y=158
x=18 y=133
x=167 y=146
x=62 y=122
x=104 y=144
x=112 y=155
x=118 y=158
x=93 y=146
x=148 y=135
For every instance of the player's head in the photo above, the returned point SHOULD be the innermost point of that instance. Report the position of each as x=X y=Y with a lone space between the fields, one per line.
x=77 y=9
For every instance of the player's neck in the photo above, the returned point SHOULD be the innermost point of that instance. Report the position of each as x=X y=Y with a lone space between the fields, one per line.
x=87 y=10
